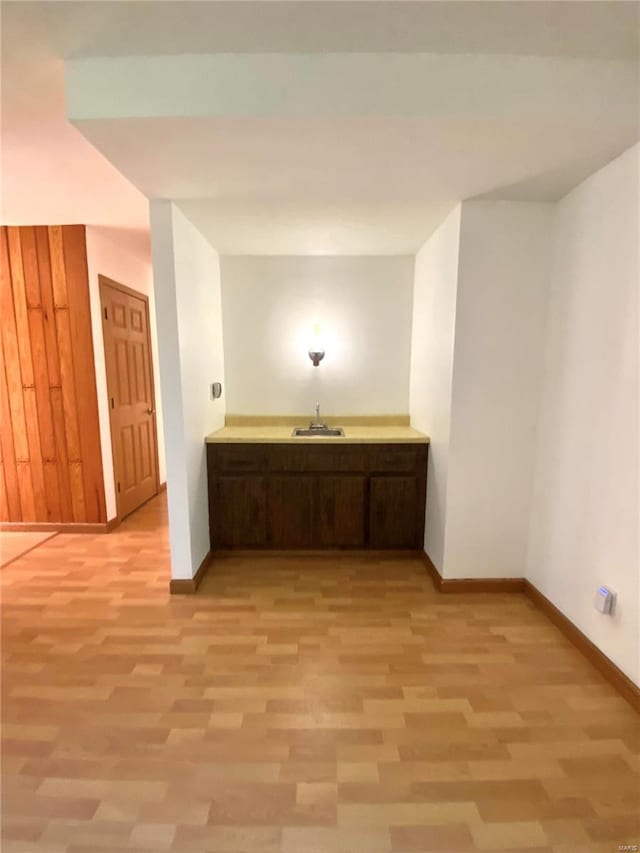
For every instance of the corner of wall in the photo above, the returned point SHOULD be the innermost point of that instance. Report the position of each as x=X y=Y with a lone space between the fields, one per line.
x=187 y=277
x=583 y=529
x=501 y=311
x=431 y=366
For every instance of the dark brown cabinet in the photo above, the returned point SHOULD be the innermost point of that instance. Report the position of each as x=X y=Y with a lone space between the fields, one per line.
x=341 y=511
x=286 y=496
x=239 y=519
x=393 y=512
x=290 y=511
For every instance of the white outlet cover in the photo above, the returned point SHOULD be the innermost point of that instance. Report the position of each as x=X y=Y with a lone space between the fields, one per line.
x=604 y=600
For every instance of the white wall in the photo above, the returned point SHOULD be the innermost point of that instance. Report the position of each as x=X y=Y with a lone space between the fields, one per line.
x=186 y=274
x=364 y=307
x=432 y=339
x=503 y=280
x=110 y=253
x=584 y=527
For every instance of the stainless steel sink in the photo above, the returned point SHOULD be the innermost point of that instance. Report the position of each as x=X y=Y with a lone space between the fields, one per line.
x=318 y=431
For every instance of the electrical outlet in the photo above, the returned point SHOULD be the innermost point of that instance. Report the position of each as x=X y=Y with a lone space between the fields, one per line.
x=604 y=600
x=216 y=390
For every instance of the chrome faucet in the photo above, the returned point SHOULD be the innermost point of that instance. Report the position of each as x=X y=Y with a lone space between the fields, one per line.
x=318 y=421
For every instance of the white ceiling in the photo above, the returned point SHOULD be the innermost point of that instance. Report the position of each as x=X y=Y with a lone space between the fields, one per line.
x=323 y=184
x=543 y=28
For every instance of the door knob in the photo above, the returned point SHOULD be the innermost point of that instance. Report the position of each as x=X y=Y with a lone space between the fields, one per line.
x=150 y=411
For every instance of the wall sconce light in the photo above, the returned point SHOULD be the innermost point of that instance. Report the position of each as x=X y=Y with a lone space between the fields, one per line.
x=316 y=347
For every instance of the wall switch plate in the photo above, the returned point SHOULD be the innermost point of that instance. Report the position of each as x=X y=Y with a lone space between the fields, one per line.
x=604 y=600
x=216 y=390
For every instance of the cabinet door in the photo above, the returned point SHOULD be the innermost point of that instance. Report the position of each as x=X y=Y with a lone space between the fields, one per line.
x=238 y=511
x=393 y=512
x=290 y=511
x=341 y=511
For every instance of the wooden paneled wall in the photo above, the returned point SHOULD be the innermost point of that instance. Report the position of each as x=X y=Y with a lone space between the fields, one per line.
x=50 y=442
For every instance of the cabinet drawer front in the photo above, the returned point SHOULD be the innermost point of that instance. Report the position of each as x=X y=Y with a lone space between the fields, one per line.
x=325 y=458
x=393 y=458
x=238 y=459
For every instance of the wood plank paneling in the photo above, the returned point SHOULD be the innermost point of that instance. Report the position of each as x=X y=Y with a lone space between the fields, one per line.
x=20 y=305
x=35 y=453
x=26 y=290
x=41 y=381
x=25 y=491
x=52 y=490
x=11 y=354
x=77 y=276
x=77 y=491
x=58 y=276
x=68 y=384
x=14 y=512
x=4 y=507
x=62 y=456
x=30 y=267
x=50 y=442
x=48 y=305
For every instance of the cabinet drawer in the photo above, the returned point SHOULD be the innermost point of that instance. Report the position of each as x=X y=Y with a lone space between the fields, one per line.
x=306 y=458
x=393 y=458
x=238 y=458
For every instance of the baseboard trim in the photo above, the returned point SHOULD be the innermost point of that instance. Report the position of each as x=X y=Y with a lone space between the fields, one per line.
x=188 y=586
x=162 y=487
x=605 y=666
x=61 y=527
x=459 y=585
x=434 y=574
x=463 y=585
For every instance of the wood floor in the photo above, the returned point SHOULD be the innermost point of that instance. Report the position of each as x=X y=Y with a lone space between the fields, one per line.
x=14 y=544
x=296 y=705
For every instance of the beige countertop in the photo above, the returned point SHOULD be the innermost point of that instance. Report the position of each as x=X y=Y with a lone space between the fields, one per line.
x=269 y=433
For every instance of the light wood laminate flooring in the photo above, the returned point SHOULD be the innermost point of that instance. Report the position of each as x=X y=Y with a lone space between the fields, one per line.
x=296 y=704
x=16 y=543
